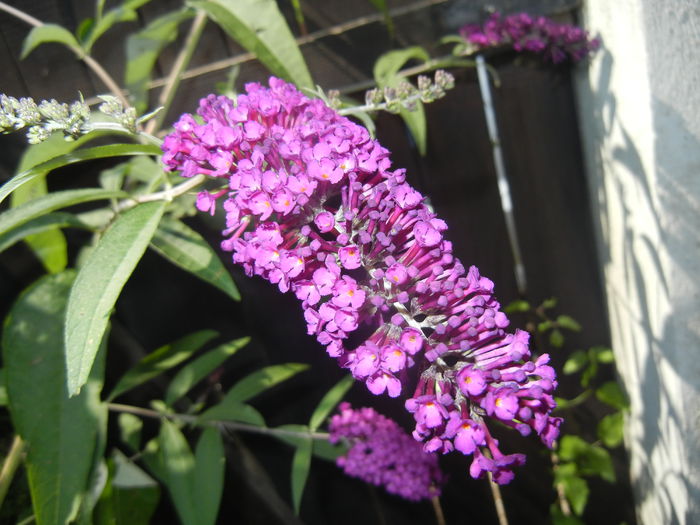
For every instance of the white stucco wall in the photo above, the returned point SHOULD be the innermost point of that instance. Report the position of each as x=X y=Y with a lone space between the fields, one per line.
x=639 y=106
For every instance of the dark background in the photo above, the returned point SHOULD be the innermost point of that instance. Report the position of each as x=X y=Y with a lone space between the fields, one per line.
x=537 y=118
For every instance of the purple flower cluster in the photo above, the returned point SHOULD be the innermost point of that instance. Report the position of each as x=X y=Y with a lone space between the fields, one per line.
x=540 y=35
x=312 y=206
x=382 y=454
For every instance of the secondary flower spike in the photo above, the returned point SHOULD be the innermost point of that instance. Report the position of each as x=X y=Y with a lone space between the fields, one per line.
x=539 y=35
x=312 y=206
x=382 y=454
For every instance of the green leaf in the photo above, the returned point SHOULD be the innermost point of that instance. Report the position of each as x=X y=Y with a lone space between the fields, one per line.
x=48 y=33
x=389 y=64
x=260 y=27
x=97 y=152
x=549 y=303
x=142 y=51
x=301 y=463
x=576 y=362
x=162 y=359
x=130 y=430
x=611 y=394
x=61 y=432
x=556 y=338
x=602 y=354
x=591 y=460
x=518 y=305
x=124 y=13
x=99 y=283
x=544 y=326
x=329 y=401
x=558 y=517
x=576 y=491
x=208 y=476
x=130 y=497
x=386 y=74
x=569 y=323
x=192 y=373
x=178 y=469
x=230 y=410
x=589 y=373
x=16 y=217
x=257 y=382
x=41 y=224
x=187 y=249
x=611 y=429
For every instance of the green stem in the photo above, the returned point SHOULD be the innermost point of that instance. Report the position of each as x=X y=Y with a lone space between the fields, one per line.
x=115 y=126
x=181 y=63
x=579 y=399
x=232 y=425
x=9 y=467
x=165 y=195
x=498 y=501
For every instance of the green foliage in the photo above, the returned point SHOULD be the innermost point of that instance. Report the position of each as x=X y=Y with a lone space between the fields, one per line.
x=99 y=283
x=190 y=374
x=517 y=306
x=186 y=248
x=261 y=380
x=301 y=463
x=97 y=152
x=162 y=359
x=195 y=482
x=591 y=460
x=611 y=394
x=103 y=22
x=63 y=434
x=329 y=401
x=386 y=70
x=143 y=49
x=259 y=27
x=130 y=496
x=610 y=429
x=48 y=33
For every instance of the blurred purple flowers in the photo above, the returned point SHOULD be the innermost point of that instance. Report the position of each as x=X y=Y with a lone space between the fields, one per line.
x=540 y=35
x=312 y=206
x=383 y=454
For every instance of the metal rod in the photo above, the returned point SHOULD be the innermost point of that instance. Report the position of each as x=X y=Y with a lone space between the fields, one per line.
x=499 y=165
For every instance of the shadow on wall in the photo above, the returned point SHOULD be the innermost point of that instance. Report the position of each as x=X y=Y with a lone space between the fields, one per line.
x=664 y=344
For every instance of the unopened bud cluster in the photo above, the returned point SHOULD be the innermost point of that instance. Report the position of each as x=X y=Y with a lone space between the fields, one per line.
x=112 y=107
x=405 y=95
x=42 y=119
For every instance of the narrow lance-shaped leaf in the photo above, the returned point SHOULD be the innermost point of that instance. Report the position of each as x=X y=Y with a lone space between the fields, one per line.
x=143 y=49
x=187 y=249
x=123 y=13
x=97 y=152
x=208 y=476
x=329 y=401
x=100 y=282
x=260 y=27
x=232 y=410
x=301 y=463
x=257 y=382
x=48 y=33
x=178 y=465
x=61 y=432
x=16 y=217
x=41 y=224
x=192 y=373
x=162 y=359
x=49 y=245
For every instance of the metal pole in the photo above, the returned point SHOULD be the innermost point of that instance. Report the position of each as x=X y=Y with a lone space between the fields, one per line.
x=503 y=186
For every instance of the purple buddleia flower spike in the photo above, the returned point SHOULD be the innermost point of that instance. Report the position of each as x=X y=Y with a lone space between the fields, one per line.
x=382 y=454
x=312 y=206
x=541 y=36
